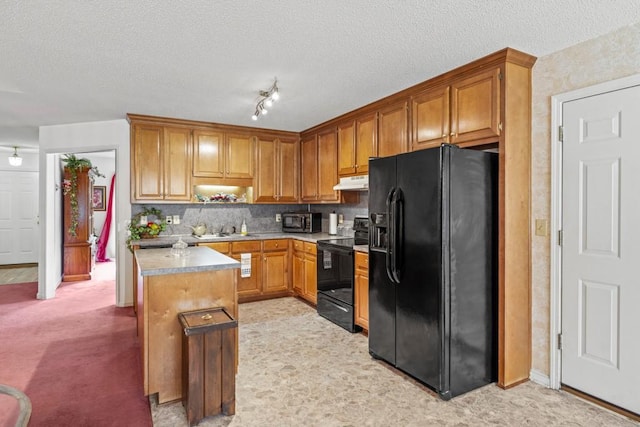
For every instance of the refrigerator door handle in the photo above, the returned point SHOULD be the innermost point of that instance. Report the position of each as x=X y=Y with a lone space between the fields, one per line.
x=389 y=241
x=398 y=234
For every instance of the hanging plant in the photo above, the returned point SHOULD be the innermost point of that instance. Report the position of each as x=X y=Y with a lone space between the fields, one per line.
x=70 y=186
x=150 y=228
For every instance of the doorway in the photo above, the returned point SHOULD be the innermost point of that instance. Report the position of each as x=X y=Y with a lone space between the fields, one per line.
x=595 y=170
x=105 y=161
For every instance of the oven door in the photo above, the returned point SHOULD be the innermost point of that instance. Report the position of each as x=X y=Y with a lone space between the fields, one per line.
x=335 y=272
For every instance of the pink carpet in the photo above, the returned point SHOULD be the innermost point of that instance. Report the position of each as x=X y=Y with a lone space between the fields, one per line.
x=76 y=356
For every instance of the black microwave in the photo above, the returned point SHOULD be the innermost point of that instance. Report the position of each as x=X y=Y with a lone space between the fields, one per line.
x=302 y=222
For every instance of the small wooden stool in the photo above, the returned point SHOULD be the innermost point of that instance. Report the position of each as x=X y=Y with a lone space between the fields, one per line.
x=208 y=363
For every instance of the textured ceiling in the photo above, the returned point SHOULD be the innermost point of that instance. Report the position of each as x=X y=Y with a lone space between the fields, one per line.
x=65 y=61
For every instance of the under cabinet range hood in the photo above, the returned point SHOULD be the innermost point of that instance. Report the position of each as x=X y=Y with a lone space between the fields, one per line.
x=353 y=183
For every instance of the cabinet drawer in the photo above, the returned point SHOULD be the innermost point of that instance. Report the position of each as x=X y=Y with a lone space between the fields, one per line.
x=240 y=247
x=298 y=245
x=362 y=261
x=222 y=247
x=310 y=248
x=275 y=245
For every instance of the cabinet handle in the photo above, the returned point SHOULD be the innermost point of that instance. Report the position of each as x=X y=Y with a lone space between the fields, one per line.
x=276 y=245
x=452 y=134
x=444 y=135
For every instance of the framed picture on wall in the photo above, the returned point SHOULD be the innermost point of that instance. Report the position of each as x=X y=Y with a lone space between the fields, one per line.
x=98 y=198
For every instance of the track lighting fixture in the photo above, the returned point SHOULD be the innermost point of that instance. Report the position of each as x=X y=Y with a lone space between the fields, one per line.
x=15 y=160
x=266 y=100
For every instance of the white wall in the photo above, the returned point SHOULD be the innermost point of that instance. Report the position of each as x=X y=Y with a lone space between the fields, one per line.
x=83 y=138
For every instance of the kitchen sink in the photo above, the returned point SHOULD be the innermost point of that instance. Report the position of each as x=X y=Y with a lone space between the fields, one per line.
x=213 y=236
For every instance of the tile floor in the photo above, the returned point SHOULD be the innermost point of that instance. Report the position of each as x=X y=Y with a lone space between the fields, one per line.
x=298 y=369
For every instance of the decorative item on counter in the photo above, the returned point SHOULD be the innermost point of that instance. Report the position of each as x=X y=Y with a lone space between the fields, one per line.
x=221 y=198
x=199 y=229
x=147 y=224
x=243 y=228
x=70 y=186
x=179 y=249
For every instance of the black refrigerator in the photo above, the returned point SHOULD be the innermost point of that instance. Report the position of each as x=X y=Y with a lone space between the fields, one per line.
x=433 y=266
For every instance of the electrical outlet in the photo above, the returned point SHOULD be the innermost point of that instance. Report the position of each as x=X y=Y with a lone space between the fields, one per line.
x=542 y=227
x=278 y=218
x=143 y=220
x=169 y=219
x=176 y=219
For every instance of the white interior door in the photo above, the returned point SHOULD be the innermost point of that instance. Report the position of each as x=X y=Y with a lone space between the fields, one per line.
x=601 y=246
x=19 y=217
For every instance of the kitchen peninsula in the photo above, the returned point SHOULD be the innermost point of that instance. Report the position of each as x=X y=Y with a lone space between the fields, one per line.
x=168 y=285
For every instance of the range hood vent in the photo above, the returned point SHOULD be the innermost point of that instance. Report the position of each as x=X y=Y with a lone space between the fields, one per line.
x=353 y=183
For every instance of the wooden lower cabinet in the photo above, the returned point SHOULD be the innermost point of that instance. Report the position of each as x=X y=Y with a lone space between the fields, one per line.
x=275 y=275
x=305 y=284
x=250 y=286
x=270 y=269
x=361 y=283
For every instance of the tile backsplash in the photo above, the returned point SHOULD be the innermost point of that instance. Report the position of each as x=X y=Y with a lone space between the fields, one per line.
x=260 y=218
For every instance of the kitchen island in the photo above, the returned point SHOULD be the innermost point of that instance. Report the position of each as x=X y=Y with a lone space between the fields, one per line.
x=168 y=285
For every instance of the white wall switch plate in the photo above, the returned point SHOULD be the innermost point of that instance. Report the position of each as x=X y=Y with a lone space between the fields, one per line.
x=143 y=220
x=176 y=219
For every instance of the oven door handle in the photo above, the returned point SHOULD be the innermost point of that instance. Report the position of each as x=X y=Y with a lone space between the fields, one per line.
x=390 y=237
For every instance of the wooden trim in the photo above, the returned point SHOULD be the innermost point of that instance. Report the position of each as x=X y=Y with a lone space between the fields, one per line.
x=27 y=265
x=599 y=402
x=195 y=124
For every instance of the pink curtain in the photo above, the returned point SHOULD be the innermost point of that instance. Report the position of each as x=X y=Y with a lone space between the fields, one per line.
x=101 y=255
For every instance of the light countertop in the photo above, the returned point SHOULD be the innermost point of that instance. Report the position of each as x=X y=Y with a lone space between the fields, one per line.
x=192 y=240
x=154 y=262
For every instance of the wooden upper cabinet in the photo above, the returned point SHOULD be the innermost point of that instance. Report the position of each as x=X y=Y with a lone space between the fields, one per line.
x=328 y=165
x=239 y=156
x=177 y=164
x=289 y=171
x=366 y=142
x=347 y=148
x=357 y=141
x=266 y=179
x=393 y=129
x=430 y=114
x=220 y=155
x=208 y=154
x=277 y=177
x=309 y=168
x=162 y=163
x=475 y=108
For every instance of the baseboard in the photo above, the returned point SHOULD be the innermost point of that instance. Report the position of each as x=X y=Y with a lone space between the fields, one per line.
x=539 y=378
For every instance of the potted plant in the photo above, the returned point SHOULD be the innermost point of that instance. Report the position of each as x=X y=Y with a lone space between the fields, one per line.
x=148 y=229
x=70 y=186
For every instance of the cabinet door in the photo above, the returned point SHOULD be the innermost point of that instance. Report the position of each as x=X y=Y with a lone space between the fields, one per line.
x=288 y=171
x=309 y=168
x=327 y=165
x=346 y=149
x=265 y=189
x=177 y=164
x=310 y=278
x=208 y=157
x=147 y=160
x=366 y=142
x=393 y=130
x=475 y=108
x=430 y=113
x=239 y=156
x=250 y=286
x=298 y=272
x=276 y=271
x=361 y=290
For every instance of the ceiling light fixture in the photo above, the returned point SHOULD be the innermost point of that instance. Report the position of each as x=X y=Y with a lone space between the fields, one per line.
x=266 y=100
x=15 y=160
